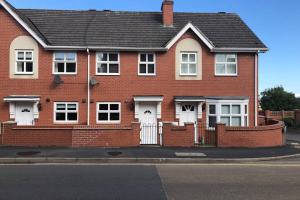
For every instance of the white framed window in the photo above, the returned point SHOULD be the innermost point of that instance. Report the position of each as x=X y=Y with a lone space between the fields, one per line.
x=147 y=66
x=188 y=63
x=24 y=62
x=226 y=65
x=66 y=112
x=109 y=112
x=229 y=112
x=64 y=63
x=107 y=64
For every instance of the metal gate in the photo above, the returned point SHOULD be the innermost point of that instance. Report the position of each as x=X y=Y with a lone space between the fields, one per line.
x=149 y=133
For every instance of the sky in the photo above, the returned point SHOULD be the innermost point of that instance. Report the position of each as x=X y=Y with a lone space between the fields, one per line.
x=275 y=22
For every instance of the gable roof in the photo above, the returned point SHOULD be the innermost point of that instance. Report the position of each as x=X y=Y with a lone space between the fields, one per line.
x=135 y=30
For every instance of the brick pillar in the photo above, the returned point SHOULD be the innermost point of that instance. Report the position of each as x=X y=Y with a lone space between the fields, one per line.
x=220 y=131
x=267 y=114
x=297 y=117
x=7 y=135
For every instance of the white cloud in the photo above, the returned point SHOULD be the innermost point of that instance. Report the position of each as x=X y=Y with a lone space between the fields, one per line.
x=297 y=95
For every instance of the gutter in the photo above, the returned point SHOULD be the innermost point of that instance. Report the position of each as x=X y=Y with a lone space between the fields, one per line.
x=256 y=89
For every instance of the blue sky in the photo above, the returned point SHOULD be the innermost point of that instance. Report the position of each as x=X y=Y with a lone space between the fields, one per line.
x=276 y=22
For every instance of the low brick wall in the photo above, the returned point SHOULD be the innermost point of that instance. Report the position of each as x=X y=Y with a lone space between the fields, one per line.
x=178 y=136
x=262 y=136
x=106 y=137
x=70 y=136
x=297 y=117
x=36 y=136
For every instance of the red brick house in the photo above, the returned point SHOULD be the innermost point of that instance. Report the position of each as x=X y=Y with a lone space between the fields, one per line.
x=106 y=78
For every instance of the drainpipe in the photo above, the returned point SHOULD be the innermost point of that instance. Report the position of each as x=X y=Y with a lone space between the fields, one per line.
x=88 y=86
x=256 y=88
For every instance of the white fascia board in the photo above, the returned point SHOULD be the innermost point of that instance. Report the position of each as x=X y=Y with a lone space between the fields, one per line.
x=196 y=31
x=23 y=24
x=10 y=99
x=105 y=48
x=240 y=50
x=148 y=99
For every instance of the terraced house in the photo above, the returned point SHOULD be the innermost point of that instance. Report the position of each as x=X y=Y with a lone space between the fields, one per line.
x=107 y=78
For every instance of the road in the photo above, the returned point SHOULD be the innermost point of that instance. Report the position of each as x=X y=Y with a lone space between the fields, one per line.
x=204 y=181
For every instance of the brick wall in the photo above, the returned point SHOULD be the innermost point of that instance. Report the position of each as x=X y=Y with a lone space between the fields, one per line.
x=178 y=136
x=297 y=117
x=251 y=137
x=107 y=137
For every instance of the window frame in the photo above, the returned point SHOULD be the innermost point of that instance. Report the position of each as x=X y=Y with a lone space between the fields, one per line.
x=244 y=111
x=226 y=63
x=24 y=61
x=146 y=63
x=188 y=63
x=108 y=62
x=65 y=61
x=66 y=112
x=109 y=112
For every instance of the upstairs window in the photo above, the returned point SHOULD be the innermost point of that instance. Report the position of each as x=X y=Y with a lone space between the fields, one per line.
x=24 y=62
x=147 y=64
x=108 y=64
x=188 y=64
x=226 y=65
x=66 y=112
x=64 y=63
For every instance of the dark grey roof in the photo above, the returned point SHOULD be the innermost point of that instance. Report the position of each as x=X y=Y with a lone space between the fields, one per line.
x=134 y=29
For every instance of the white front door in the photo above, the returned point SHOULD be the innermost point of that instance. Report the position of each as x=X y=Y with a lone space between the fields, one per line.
x=24 y=114
x=148 y=120
x=188 y=114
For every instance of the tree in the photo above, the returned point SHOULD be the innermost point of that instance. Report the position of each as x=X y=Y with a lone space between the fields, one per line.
x=278 y=99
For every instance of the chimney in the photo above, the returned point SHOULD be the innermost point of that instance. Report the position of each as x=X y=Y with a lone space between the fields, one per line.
x=167 y=12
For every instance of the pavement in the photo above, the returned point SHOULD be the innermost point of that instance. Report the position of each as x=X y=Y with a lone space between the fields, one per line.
x=148 y=181
x=293 y=135
x=142 y=155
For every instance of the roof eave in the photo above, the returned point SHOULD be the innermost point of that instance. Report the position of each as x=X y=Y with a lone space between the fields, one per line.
x=240 y=50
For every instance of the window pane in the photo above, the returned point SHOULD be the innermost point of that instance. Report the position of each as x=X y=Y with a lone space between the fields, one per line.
x=231 y=68
x=103 y=116
x=212 y=121
x=72 y=106
x=184 y=68
x=29 y=67
x=102 y=56
x=225 y=120
x=20 y=67
x=113 y=57
x=221 y=58
x=71 y=67
x=151 y=69
x=236 y=109
x=246 y=109
x=212 y=109
x=28 y=55
x=220 y=69
x=143 y=69
x=143 y=57
x=114 y=106
x=59 y=56
x=61 y=107
x=102 y=68
x=59 y=67
x=103 y=107
x=60 y=116
x=236 y=121
x=193 y=69
x=70 y=56
x=231 y=58
x=113 y=68
x=192 y=57
x=246 y=121
x=20 y=55
x=150 y=58
x=183 y=108
x=114 y=116
x=225 y=109
x=185 y=57
x=192 y=108
x=72 y=116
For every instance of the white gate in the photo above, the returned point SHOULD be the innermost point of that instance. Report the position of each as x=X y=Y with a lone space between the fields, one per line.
x=149 y=133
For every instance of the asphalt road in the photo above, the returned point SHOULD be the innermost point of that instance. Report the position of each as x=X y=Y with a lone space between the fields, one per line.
x=222 y=181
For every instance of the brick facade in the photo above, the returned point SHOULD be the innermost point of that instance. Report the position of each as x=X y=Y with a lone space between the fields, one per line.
x=176 y=136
